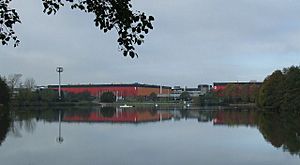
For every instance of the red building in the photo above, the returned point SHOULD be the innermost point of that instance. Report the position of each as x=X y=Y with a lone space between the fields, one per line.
x=120 y=90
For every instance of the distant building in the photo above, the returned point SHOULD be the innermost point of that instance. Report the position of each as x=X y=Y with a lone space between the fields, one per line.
x=120 y=90
x=204 y=88
x=177 y=90
x=194 y=92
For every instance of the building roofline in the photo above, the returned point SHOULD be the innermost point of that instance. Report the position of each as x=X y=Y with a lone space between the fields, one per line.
x=238 y=83
x=109 y=85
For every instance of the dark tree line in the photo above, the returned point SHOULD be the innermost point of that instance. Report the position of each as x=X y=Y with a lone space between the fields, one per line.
x=75 y=97
x=281 y=90
x=231 y=94
x=27 y=97
x=108 y=14
x=4 y=92
x=235 y=93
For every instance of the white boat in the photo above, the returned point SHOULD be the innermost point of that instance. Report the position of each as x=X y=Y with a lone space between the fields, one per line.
x=126 y=106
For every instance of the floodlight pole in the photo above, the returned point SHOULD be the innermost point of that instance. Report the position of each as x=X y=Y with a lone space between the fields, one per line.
x=59 y=70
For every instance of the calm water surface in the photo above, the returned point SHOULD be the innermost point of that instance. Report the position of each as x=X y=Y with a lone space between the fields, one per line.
x=138 y=136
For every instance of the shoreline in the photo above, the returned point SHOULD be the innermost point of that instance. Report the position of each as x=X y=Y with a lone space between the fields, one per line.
x=136 y=105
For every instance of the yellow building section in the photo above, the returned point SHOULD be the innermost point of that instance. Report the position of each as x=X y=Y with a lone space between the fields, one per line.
x=146 y=91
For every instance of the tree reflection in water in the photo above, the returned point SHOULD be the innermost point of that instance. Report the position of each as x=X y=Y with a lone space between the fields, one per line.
x=23 y=120
x=281 y=130
x=4 y=125
x=108 y=111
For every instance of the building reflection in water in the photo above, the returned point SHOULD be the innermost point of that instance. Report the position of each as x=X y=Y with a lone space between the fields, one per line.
x=117 y=115
x=282 y=130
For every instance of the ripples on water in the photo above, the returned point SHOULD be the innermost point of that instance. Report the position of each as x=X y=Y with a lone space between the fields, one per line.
x=148 y=136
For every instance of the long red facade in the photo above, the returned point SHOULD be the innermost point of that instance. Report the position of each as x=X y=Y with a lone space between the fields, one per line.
x=125 y=90
x=97 y=91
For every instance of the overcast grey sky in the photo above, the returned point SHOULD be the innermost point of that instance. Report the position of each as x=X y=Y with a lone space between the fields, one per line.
x=193 y=42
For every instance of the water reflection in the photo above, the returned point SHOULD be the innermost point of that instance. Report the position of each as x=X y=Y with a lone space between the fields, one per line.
x=26 y=119
x=282 y=130
x=59 y=139
x=235 y=118
x=116 y=115
x=4 y=124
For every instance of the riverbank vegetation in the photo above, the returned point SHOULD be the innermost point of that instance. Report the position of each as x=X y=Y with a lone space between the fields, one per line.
x=232 y=94
x=281 y=90
x=4 y=92
x=24 y=93
x=108 y=97
x=44 y=97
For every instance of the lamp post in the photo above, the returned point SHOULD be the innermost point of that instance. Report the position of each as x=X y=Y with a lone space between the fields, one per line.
x=59 y=70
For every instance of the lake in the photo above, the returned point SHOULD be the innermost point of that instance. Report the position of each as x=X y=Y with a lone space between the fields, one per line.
x=148 y=136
